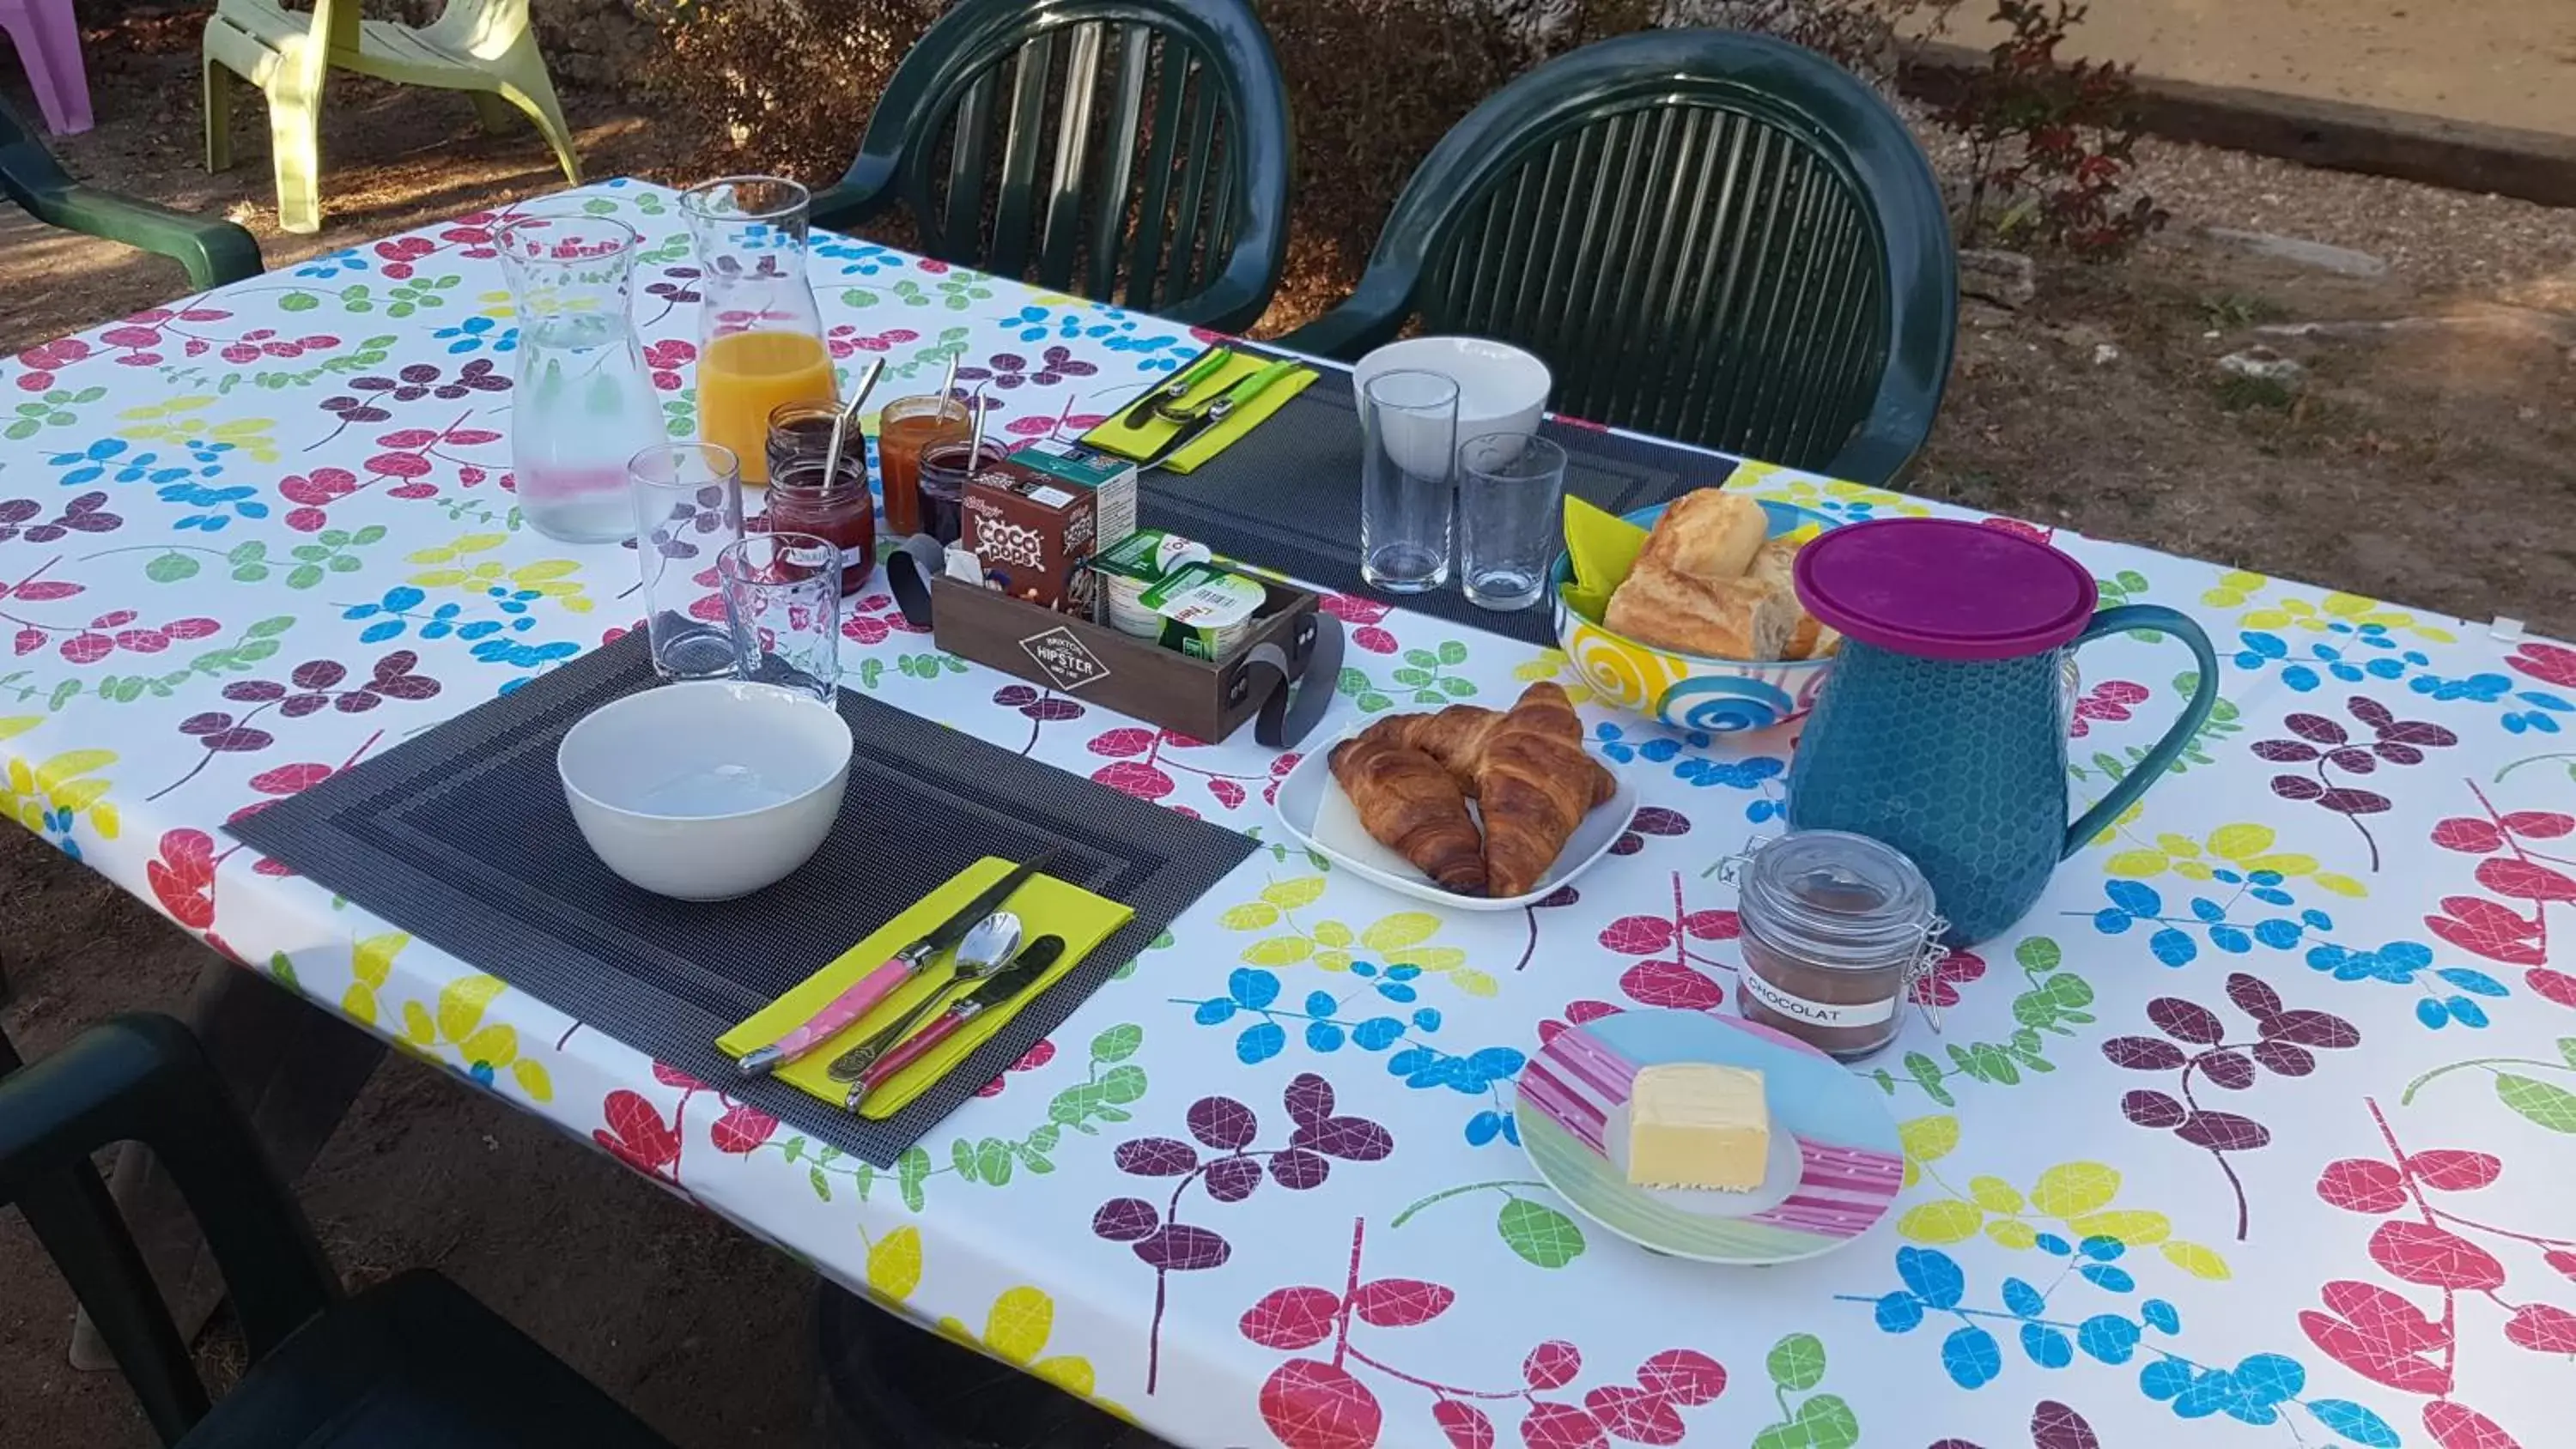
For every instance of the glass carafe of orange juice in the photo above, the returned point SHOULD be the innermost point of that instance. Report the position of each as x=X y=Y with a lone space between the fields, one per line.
x=760 y=338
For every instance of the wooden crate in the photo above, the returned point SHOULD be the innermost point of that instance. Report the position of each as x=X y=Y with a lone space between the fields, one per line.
x=1291 y=638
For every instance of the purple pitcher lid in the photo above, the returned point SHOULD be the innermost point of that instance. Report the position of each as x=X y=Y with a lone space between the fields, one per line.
x=1944 y=588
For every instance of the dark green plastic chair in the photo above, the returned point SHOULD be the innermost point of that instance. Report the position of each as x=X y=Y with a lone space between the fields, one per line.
x=1143 y=152
x=214 y=252
x=412 y=1363
x=1710 y=236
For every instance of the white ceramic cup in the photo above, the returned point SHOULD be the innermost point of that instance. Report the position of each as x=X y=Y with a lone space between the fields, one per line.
x=706 y=790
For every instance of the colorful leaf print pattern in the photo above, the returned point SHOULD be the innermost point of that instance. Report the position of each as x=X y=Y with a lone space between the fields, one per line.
x=2193 y=1045
x=1329 y=1403
x=1229 y=1170
x=2249 y=1134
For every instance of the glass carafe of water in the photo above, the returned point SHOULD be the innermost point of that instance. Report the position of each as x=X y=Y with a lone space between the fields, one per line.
x=583 y=404
x=760 y=336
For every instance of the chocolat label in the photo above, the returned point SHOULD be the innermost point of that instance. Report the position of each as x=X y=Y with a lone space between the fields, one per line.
x=1799 y=1008
x=1065 y=659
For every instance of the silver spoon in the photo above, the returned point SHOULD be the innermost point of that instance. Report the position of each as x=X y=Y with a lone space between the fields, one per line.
x=975 y=434
x=841 y=421
x=984 y=951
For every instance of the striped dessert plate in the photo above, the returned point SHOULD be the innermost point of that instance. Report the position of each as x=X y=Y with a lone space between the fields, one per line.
x=1835 y=1164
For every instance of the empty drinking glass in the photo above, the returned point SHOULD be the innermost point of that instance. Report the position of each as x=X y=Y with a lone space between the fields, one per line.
x=782 y=596
x=1510 y=490
x=1408 y=496
x=688 y=507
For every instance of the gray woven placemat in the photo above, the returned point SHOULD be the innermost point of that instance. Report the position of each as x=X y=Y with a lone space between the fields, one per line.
x=1286 y=496
x=462 y=838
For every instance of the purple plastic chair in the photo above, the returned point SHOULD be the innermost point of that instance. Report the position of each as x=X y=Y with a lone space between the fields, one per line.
x=48 y=39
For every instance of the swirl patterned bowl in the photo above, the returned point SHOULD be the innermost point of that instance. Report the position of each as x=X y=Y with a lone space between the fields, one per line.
x=1690 y=691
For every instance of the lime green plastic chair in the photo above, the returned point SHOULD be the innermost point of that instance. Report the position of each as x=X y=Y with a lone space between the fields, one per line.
x=214 y=252
x=1143 y=150
x=482 y=47
x=1708 y=235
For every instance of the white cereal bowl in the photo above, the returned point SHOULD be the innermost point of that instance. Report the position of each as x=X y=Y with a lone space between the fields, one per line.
x=1501 y=388
x=707 y=790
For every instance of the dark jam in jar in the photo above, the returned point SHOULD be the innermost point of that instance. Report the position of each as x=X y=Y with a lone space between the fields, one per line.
x=801 y=431
x=1834 y=928
x=944 y=471
x=837 y=510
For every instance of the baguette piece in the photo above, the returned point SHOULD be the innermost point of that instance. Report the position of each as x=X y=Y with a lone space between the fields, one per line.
x=1708 y=534
x=1724 y=619
x=1773 y=566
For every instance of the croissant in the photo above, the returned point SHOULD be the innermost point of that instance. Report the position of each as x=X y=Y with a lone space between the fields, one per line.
x=1455 y=737
x=1411 y=805
x=1532 y=754
x=1535 y=784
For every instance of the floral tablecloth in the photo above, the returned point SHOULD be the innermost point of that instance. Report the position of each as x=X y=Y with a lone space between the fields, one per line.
x=2260 y=1129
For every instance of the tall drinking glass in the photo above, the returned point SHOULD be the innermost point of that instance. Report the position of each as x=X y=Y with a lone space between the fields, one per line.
x=688 y=508
x=782 y=597
x=1408 y=492
x=583 y=403
x=760 y=336
x=1511 y=487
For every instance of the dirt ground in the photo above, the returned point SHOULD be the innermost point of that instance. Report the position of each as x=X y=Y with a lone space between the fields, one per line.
x=2433 y=464
x=2502 y=62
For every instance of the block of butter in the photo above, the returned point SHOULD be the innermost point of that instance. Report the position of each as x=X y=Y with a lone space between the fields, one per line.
x=1693 y=1124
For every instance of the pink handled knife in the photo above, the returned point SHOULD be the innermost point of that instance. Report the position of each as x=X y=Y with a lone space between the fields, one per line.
x=878 y=984
x=1021 y=974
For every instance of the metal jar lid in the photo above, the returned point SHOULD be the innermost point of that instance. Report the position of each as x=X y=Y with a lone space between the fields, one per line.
x=1837 y=900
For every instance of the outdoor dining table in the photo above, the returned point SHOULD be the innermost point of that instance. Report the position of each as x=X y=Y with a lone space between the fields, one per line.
x=2259 y=1129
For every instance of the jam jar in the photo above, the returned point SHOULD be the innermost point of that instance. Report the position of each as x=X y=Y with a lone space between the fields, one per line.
x=836 y=509
x=804 y=430
x=1836 y=927
x=945 y=467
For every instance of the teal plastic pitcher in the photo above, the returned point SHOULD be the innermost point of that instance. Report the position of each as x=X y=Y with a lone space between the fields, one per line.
x=1942 y=730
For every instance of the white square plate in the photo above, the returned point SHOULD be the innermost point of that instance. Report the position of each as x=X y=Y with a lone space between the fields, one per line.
x=1322 y=818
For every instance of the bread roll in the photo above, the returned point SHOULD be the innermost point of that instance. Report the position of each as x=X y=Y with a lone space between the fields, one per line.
x=1709 y=534
x=1774 y=566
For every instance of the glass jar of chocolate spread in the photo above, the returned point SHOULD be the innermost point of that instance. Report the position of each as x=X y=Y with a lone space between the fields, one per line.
x=1835 y=928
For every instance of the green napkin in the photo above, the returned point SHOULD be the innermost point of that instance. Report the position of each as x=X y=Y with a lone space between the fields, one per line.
x=1139 y=444
x=1603 y=547
x=1046 y=907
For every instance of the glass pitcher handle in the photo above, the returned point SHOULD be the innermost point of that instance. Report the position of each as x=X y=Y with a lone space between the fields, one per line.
x=2155 y=619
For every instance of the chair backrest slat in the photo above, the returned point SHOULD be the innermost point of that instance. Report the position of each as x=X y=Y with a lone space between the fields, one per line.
x=1144 y=149
x=1554 y=175
x=1708 y=234
x=1662 y=377
x=1153 y=220
x=1194 y=171
x=1109 y=212
x=1203 y=262
x=1713 y=320
x=1756 y=282
x=1062 y=234
x=1023 y=137
x=1785 y=256
x=968 y=157
x=1630 y=326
